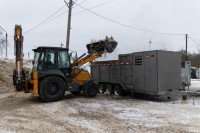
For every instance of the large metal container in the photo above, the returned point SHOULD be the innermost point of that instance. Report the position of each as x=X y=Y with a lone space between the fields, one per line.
x=156 y=72
x=152 y=72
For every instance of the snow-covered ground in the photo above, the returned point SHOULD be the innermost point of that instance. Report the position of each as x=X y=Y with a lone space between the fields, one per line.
x=105 y=113
x=20 y=112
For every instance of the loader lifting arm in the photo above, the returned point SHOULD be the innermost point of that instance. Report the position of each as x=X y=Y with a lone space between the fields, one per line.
x=96 y=50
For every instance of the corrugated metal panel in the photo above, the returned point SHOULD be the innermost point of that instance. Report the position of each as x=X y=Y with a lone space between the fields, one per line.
x=115 y=74
x=95 y=74
x=125 y=58
x=104 y=74
x=126 y=74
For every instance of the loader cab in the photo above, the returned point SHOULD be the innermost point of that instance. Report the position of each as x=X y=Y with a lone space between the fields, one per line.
x=51 y=61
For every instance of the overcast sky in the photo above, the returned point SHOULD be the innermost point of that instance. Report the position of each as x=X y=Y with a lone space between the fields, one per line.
x=167 y=16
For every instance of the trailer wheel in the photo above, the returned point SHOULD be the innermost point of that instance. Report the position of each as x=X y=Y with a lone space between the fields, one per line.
x=52 y=89
x=101 y=88
x=90 y=89
x=109 y=89
x=118 y=90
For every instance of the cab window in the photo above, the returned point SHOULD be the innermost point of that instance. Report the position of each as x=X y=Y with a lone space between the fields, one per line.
x=40 y=65
x=35 y=62
x=49 y=62
x=63 y=60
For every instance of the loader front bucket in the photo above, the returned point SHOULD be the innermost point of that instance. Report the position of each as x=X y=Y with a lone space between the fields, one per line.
x=107 y=45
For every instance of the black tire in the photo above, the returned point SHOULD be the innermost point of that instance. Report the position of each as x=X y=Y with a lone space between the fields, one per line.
x=52 y=89
x=109 y=89
x=90 y=90
x=118 y=90
x=101 y=88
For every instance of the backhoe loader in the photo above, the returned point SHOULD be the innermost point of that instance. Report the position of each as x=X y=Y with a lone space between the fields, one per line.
x=53 y=73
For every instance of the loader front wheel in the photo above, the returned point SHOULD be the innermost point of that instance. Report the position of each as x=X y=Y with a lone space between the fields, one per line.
x=90 y=90
x=52 y=89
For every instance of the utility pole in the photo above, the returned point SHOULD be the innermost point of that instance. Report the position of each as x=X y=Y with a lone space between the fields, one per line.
x=6 y=42
x=150 y=42
x=6 y=45
x=70 y=4
x=186 y=52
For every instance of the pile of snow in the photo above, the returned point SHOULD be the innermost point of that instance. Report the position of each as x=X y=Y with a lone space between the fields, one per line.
x=6 y=72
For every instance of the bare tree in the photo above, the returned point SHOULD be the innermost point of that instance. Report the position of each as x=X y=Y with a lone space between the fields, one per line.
x=2 y=43
x=193 y=57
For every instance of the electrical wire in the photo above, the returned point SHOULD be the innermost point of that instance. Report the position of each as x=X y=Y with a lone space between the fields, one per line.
x=102 y=4
x=194 y=40
x=80 y=11
x=3 y=29
x=35 y=27
x=83 y=2
x=108 y=19
x=43 y=22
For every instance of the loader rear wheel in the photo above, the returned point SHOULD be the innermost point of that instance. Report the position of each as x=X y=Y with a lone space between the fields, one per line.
x=52 y=89
x=101 y=88
x=90 y=89
x=118 y=90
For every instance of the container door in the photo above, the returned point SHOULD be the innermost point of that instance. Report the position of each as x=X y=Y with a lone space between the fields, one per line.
x=150 y=69
x=138 y=72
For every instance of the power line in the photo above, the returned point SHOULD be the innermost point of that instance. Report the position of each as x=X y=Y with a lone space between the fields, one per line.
x=80 y=11
x=38 y=25
x=83 y=2
x=3 y=29
x=83 y=10
x=45 y=20
x=108 y=19
x=194 y=40
x=95 y=6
